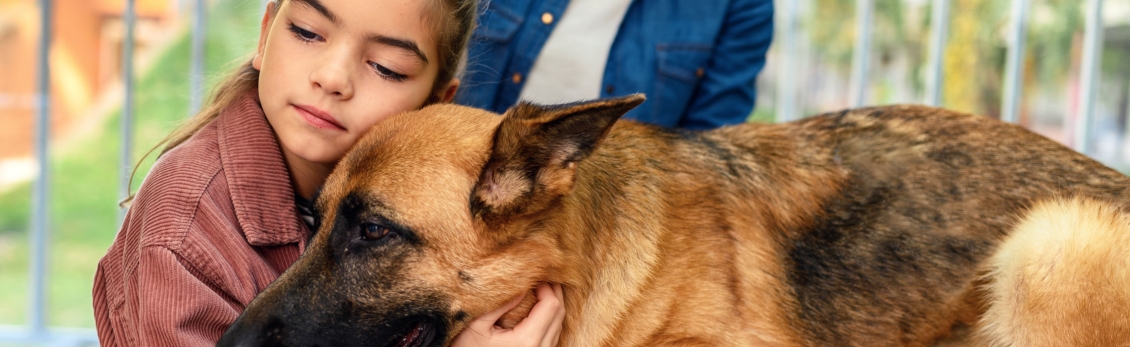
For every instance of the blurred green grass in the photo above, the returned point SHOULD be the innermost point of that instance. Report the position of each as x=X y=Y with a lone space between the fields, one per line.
x=84 y=176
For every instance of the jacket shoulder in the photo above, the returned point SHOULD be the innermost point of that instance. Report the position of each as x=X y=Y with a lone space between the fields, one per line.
x=169 y=198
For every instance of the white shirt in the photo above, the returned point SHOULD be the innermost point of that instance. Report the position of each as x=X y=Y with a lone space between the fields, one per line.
x=570 y=66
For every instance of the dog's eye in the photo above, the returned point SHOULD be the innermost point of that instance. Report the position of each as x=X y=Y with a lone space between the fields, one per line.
x=372 y=231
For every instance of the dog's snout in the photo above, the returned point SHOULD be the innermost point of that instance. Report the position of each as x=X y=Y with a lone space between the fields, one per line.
x=246 y=333
x=236 y=336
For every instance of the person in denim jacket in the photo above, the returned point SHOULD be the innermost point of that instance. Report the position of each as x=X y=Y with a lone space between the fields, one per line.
x=695 y=60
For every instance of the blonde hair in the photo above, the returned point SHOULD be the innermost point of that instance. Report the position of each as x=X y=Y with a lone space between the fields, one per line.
x=451 y=20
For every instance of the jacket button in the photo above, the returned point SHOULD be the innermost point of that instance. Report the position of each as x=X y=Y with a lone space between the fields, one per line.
x=516 y=78
x=547 y=18
x=609 y=89
x=698 y=73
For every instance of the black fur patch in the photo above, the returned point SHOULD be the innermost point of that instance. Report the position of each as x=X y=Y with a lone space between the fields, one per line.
x=872 y=249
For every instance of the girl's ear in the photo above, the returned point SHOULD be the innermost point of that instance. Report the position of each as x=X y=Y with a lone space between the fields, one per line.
x=449 y=91
x=264 y=29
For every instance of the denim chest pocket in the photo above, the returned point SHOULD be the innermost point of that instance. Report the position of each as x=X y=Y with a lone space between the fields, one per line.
x=681 y=65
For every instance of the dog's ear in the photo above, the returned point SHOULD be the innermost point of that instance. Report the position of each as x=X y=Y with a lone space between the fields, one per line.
x=536 y=150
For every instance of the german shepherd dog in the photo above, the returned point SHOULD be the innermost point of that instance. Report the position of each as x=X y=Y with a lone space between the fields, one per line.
x=884 y=226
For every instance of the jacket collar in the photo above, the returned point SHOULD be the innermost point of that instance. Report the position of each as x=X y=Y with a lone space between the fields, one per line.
x=257 y=175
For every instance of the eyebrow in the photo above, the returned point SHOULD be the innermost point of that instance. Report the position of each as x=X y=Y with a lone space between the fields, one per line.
x=317 y=6
x=404 y=44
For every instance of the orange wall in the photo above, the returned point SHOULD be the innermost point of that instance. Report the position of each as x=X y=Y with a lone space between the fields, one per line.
x=17 y=76
x=144 y=8
x=78 y=29
x=77 y=37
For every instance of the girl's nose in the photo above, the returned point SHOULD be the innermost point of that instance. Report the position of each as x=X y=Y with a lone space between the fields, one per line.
x=334 y=75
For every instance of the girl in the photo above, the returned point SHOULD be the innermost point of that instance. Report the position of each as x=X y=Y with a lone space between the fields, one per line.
x=218 y=217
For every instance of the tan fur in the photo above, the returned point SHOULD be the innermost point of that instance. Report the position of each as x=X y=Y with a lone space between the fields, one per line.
x=1062 y=278
x=868 y=227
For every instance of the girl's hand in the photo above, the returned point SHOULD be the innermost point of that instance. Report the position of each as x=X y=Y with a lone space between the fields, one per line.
x=542 y=328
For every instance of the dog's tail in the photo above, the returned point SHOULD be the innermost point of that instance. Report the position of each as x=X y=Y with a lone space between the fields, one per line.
x=1062 y=278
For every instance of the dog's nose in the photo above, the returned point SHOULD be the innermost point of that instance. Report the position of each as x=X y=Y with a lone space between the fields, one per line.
x=236 y=336
x=244 y=333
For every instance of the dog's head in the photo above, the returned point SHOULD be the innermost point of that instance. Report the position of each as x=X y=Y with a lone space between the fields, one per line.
x=435 y=217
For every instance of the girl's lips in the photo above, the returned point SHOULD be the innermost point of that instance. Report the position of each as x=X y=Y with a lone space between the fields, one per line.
x=318 y=118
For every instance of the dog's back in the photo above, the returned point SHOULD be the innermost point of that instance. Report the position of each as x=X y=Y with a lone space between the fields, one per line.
x=874 y=225
x=924 y=199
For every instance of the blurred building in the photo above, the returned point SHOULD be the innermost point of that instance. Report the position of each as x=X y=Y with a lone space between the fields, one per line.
x=85 y=63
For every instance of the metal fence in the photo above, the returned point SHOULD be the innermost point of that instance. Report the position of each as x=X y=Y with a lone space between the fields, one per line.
x=36 y=330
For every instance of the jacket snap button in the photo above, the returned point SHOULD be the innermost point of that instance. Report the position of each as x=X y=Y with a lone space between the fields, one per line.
x=547 y=18
x=516 y=78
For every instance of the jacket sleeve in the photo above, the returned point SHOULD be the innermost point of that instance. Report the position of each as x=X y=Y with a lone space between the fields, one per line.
x=172 y=305
x=726 y=93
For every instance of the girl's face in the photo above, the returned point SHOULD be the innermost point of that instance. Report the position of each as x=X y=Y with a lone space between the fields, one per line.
x=331 y=69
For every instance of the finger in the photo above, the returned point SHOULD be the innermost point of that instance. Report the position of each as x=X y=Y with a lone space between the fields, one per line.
x=553 y=336
x=559 y=290
x=556 y=339
x=488 y=320
x=542 y=315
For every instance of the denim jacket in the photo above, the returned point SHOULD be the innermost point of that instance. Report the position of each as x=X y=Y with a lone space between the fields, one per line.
x=696 y=60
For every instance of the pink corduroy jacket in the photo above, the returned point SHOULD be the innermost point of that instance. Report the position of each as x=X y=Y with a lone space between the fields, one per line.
x=214 y=223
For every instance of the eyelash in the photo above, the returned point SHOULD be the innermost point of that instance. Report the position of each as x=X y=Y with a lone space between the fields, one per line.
x=303 y=34
x=309 y=36
x=388 y=74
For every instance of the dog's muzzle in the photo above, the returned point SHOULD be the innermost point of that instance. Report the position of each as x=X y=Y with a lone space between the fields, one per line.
x=244 y=333
x=419 y=334
x=405 y=332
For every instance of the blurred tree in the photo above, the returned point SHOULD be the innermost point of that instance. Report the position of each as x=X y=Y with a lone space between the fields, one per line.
x=1052 y=35
x=974 y=57
x=975 y=52
x=832 y=28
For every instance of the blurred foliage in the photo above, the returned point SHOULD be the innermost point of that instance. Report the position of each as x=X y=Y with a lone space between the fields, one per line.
x=976 y=48
x=15 y=207
x=1051 y=42
x=84 y=190
x=974 y=57
x=833 y=31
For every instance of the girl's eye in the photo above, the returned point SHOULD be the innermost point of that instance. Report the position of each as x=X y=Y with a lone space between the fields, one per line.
x=387 y=74
x=373 y=231
x=303 y=34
